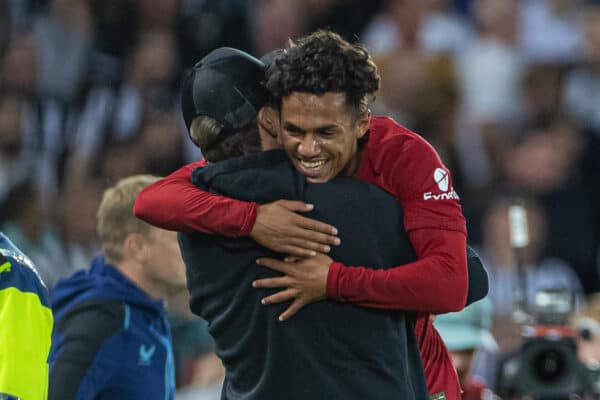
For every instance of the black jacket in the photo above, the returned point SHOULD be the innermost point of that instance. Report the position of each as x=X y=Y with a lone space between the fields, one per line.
x=329 y=350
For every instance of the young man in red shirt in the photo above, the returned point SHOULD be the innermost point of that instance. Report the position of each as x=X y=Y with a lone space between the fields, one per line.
x=326 y=134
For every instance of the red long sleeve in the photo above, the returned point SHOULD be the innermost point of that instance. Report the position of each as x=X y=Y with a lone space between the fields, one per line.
x=436 y=282
x=174 y=203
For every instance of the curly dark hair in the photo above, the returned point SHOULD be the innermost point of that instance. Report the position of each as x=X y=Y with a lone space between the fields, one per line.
x=324 y=62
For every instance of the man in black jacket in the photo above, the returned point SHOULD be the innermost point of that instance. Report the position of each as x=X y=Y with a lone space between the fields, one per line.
x=330 y=350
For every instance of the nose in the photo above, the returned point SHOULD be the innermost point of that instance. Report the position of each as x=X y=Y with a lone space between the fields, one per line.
x=309 y=146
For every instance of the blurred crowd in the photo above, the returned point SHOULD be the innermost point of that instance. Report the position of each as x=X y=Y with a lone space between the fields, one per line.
x=507 y=91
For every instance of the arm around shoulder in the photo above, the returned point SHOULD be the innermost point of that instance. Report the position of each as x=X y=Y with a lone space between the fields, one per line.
x=175 y=203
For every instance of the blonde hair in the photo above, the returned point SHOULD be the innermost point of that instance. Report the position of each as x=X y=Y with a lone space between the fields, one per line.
x=217 y=144
x=115 y=219
x=204 y=131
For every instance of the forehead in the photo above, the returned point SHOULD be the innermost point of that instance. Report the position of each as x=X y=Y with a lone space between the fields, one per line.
x=311 y=110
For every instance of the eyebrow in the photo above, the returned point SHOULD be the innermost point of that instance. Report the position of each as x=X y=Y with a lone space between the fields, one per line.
x=292 y=127
x=325 y=128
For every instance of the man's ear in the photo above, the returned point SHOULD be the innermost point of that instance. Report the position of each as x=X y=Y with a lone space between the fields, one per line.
x=362 y=124
x=134 y=247
x=267 y=120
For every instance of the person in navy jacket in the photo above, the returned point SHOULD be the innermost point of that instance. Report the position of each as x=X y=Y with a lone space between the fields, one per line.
x=111 y=338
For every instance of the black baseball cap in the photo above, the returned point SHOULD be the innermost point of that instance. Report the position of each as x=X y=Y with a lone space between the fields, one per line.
x=227 y=85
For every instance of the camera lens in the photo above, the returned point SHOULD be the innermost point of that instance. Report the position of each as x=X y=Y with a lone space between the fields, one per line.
x=549 y=365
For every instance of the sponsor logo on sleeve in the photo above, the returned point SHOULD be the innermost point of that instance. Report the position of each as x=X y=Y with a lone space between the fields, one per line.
x=441 y=178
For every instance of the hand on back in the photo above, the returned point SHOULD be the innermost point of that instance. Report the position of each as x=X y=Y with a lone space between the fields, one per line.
x=280 y=228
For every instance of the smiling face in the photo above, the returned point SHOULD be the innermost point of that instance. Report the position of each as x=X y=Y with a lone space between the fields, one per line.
x=320 y=135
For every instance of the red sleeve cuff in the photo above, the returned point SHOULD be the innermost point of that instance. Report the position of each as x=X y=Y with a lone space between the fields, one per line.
x=249 y=221
x=332 y=291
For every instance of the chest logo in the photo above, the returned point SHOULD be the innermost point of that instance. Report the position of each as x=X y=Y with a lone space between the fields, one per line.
x=146 y=354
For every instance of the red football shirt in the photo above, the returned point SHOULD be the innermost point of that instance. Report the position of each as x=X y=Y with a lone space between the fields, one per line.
x=406 y=166
x=174 y=203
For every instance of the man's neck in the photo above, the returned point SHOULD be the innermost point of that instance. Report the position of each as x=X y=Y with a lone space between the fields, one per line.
x=354 y=165
x=130 y=269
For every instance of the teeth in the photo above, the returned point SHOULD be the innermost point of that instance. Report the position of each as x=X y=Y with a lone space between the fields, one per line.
x=314 y=164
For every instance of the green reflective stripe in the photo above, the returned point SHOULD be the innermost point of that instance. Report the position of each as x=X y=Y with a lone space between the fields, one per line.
x=24 y=344
x=5 y=267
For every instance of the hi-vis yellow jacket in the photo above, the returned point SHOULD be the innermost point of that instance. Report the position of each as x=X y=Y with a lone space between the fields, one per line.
x=25 y=326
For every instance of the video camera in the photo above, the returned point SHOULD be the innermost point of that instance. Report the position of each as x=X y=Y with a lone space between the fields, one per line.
x=546 y=366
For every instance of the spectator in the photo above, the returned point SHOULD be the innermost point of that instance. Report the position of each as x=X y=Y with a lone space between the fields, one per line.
x=404 y=78
x=582 y=93
x=550 y=30
x=541 y=272
x=490 y=67
x=16 y=159
x=396 y=27
x=115 y=113
x=544 y=161
x=119 y=159
x=43 y=123
x=27 y=222
x=76 y=213
x=582 y=101
x=542 y=89
x=489 y=70
x=112 y=337
x=64 y=33
x=473 y=349
x=275 y=21
x=26 y=322
x=18 y=66
x=161 y=142
x=444 y=31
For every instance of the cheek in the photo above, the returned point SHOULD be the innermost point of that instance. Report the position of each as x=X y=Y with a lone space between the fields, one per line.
x=174 y=255
x=346 y=150
x=289 y=144
x=164 y=255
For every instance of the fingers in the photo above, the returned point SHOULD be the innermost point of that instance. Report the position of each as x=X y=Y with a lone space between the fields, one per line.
x=281 y=296
x=308 y=244
x=296 y=251
x=319 y=227
x=292 y=309
x=308 y=223
x=285 y=295
x=277 y=282
x=302 y=232
x=276 y=265
x=297 y=206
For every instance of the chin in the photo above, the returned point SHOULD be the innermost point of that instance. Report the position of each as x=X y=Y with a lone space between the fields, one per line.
x=316 y=180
